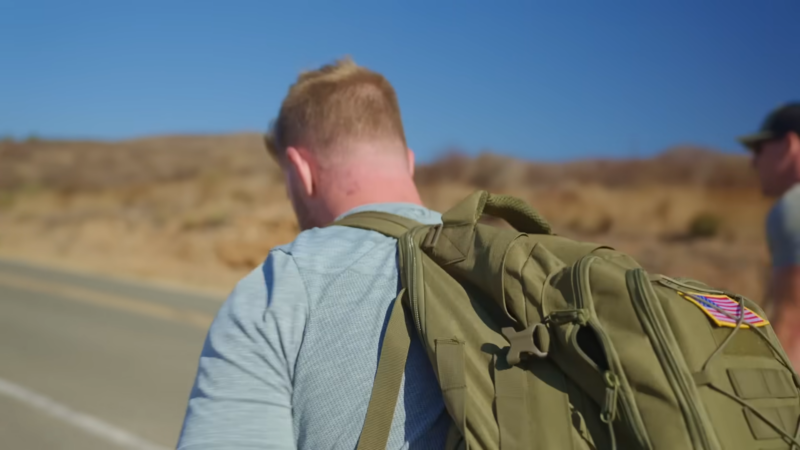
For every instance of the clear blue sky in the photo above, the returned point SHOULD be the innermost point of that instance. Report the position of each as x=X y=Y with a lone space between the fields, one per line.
x=538 y=80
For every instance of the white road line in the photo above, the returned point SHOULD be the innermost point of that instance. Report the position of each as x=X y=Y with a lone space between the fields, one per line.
x=85 y=422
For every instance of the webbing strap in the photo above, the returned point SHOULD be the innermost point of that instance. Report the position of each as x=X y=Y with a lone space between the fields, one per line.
x=389 y=224
x=510 y=394
x=794 y=441
x=388 y=378
x=451 y=370
x=454 y=439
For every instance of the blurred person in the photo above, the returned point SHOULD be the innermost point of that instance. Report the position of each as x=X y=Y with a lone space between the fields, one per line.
x=291 y=356
x=776 y=158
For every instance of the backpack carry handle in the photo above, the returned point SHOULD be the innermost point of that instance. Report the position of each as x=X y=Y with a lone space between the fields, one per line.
x=511 y=209
x=453 y=240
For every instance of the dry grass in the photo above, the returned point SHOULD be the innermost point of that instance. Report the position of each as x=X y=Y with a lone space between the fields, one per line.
x=204 y=210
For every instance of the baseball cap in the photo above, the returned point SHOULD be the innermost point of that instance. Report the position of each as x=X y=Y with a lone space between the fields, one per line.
x=776 y=125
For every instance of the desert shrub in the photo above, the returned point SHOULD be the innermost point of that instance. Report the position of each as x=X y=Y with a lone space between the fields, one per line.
x=204 y=221
x=243 y=196
x=453 y=166
x=493 y=172
x=603 y=226
x=663 y=209
x=705 y=225
x=591 y=226
x=6 y=199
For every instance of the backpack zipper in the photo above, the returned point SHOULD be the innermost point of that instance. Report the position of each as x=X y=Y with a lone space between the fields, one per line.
x=644 y=298
x=614 y=378
x=411 y=278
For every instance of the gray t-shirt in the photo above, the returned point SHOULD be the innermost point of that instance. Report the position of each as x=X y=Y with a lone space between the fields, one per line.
x=783 y=230
x=291 y=356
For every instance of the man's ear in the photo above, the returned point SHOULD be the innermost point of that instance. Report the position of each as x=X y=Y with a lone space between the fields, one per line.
x=410 y=155
x=299 y=160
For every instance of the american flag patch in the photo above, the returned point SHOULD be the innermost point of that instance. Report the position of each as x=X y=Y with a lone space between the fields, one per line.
x=712 y=305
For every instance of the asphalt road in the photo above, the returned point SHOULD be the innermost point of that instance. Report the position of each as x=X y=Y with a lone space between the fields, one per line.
x=91 y=363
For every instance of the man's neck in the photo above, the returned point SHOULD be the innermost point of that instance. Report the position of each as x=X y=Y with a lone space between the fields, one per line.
x=378 y=187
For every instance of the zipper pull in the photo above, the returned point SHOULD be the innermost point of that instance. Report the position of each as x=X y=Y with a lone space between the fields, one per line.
x=609 y=412
x=577 y=316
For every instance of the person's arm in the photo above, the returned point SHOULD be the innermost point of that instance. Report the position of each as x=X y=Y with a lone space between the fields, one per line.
x=783 y=234
x=242 y=394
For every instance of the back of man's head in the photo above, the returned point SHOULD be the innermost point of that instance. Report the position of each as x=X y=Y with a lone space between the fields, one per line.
x=336 y=105
x=340 y=140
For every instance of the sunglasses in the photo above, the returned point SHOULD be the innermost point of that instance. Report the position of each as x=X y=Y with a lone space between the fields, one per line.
x=758 y=149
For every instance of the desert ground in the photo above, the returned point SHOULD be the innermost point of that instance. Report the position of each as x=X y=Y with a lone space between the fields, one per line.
x=203 y=211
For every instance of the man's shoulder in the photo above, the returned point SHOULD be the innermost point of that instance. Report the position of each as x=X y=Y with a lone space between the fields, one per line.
x=783 y=229
x=790 y=198
x=785 y=213
x=337 y=248
x=276 y=276
x=329 y=250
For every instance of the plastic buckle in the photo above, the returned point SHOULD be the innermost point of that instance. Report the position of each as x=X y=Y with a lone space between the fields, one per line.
x=525 y=342
x=433 y=236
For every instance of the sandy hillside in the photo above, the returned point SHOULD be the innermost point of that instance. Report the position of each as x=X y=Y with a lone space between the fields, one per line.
x=202 y=211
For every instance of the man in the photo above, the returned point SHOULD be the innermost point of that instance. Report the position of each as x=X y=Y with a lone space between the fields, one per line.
x=290 y=358
x=776 y=157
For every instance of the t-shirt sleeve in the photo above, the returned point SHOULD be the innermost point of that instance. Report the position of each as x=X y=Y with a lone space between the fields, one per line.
x=783 y=231
x=242 y=393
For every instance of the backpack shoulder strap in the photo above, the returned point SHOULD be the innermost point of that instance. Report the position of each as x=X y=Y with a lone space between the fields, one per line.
x=384 y=223
x=386 y=389
x=396 y=341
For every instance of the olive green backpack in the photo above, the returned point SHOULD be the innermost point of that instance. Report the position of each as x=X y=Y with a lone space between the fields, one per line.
x=543 y=342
